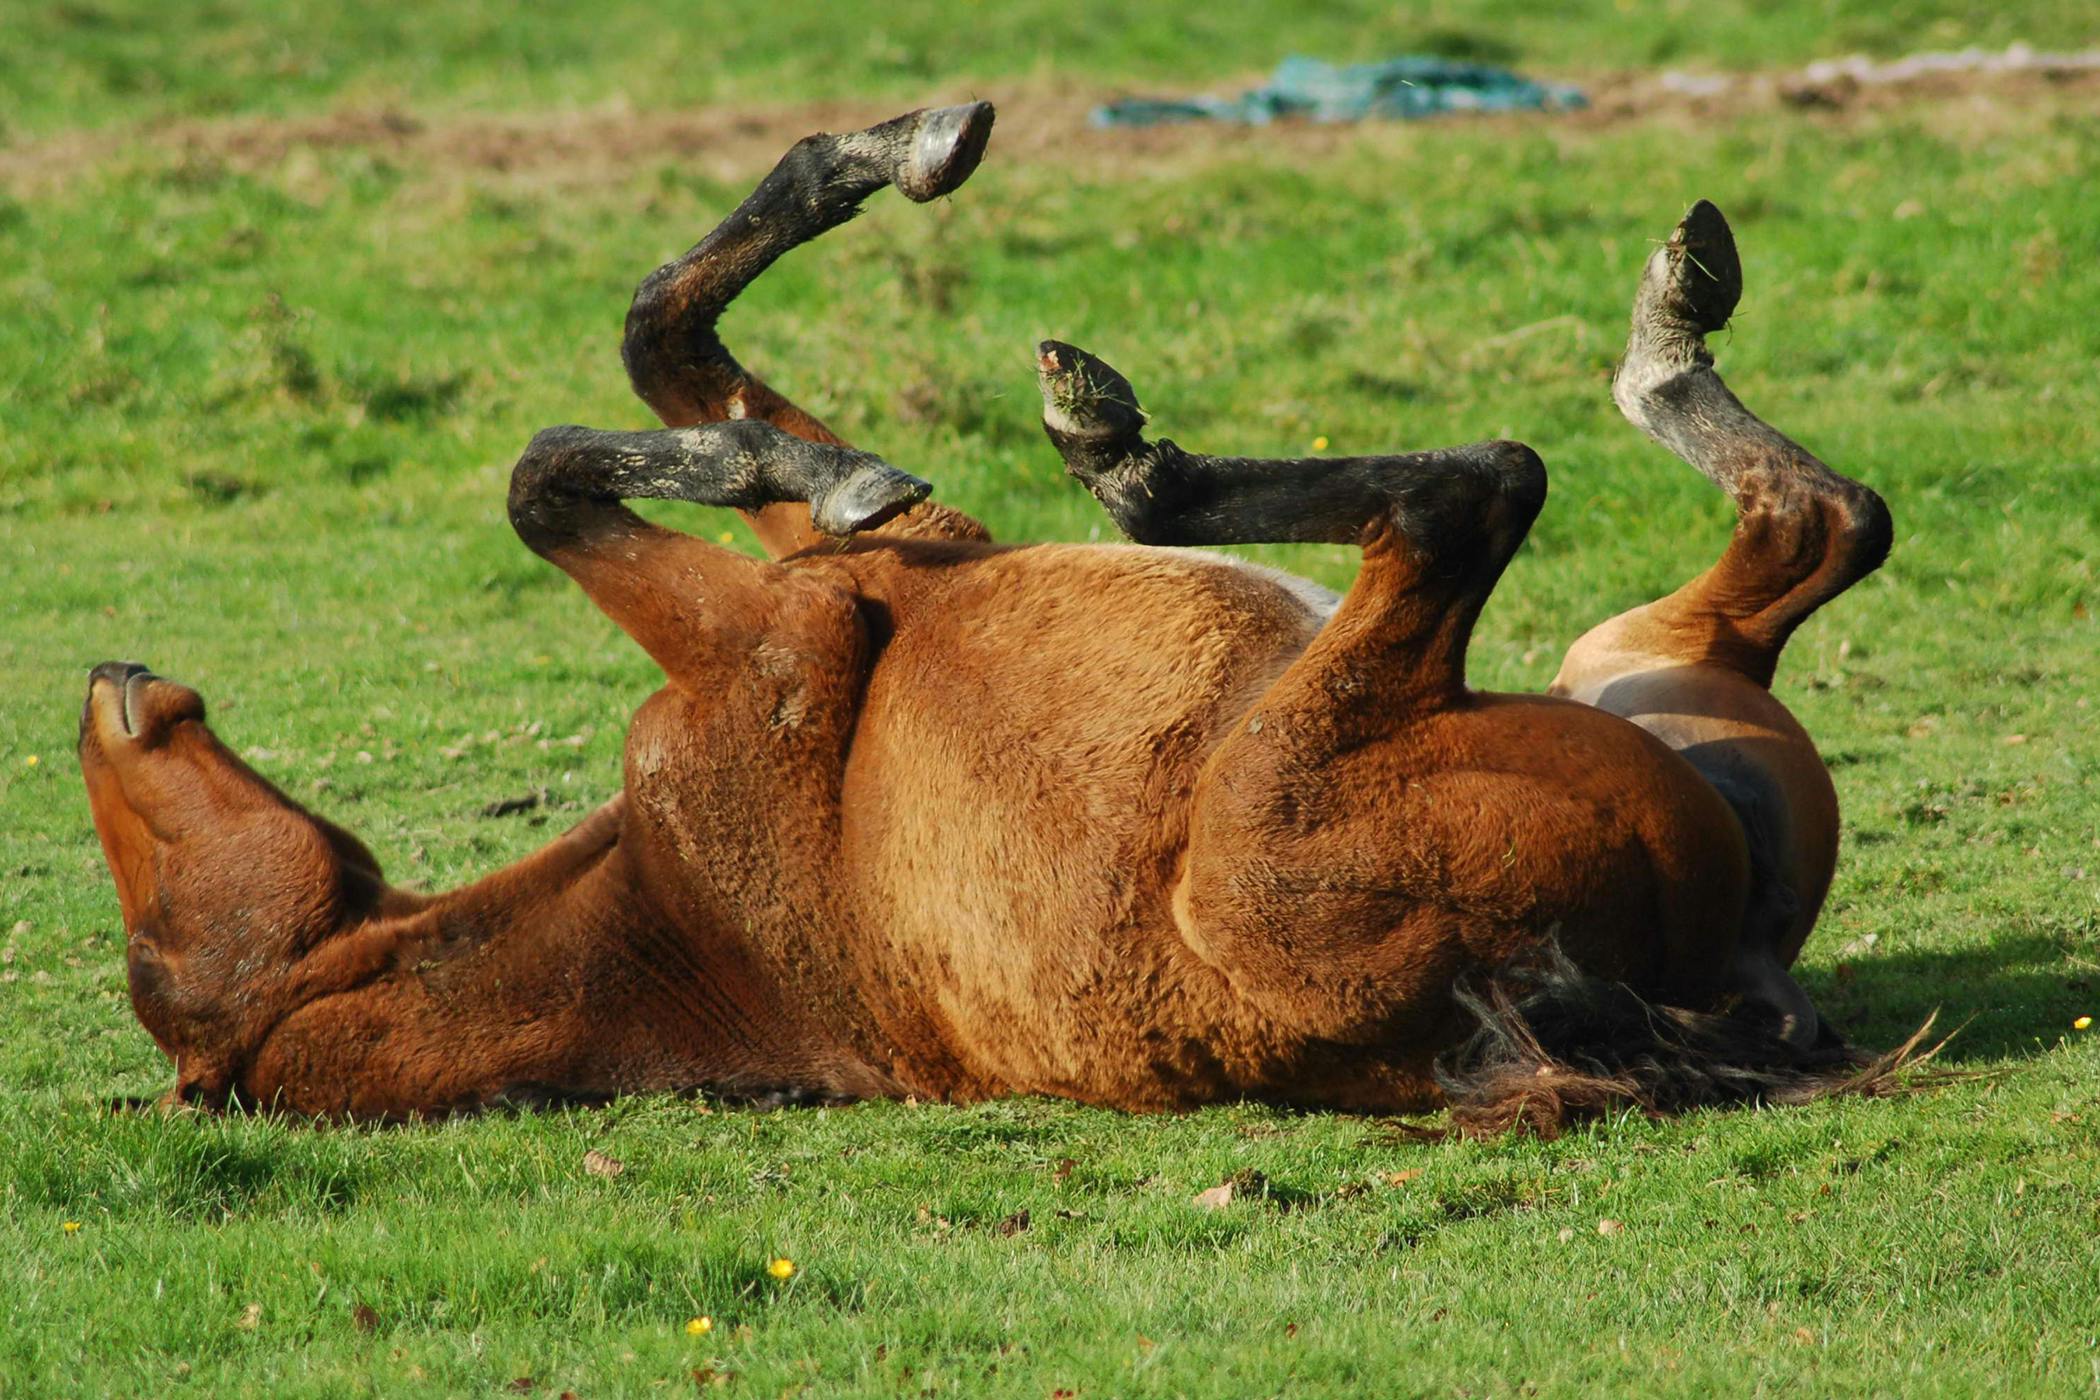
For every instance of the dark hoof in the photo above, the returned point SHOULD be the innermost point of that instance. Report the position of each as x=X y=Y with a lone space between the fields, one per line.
x=865 y=497
x=1084 y=396
x=945 y=152
x=1704 y=275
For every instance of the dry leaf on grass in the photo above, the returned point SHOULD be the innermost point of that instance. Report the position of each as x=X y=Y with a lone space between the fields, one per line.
x=251 y=1318
x=1245 y=1182
x=598 y=1164
x=1610 y=1227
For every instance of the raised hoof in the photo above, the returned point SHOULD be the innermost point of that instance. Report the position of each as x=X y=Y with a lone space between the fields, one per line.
x=865 y=497
x=1696 y=278
x=945 y=152
x=1084 y=397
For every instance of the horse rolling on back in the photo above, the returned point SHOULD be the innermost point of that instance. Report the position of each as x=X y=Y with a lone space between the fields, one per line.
x=918 y=813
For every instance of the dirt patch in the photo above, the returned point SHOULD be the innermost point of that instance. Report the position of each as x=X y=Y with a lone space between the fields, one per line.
x=1036 y=121
x=1834 y=90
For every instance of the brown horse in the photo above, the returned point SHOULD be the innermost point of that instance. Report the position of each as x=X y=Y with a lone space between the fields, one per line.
x=1140 y=826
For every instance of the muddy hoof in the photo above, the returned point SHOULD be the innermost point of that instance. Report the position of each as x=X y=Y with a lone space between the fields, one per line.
x=865 y=497
x=949 y=144
x=1699 y=278
x=1084 y=397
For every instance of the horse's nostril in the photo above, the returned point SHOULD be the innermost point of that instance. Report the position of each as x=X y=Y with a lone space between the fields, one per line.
x=116 y=672
x=134 y=687
x=128 y=677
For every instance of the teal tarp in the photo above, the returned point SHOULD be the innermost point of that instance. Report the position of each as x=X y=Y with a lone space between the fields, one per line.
x=1322 y=92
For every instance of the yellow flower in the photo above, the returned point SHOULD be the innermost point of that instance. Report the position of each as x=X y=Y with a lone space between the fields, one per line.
x=2082 y=1023
x=781 y=1268
x=727 y=537
x=71 y=1227
x=1320 y=443
x=30 y=762
x=700 y=1327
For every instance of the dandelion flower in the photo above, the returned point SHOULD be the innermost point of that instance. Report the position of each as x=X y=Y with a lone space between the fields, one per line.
x=30 y=762
x=699 y=1326
x=1320 y=443
x=727 y=537
x=71 y=1227
x=781 y=1268
x=2082 y=1023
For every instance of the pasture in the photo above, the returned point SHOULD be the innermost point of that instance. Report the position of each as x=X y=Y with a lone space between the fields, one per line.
x=286 y=296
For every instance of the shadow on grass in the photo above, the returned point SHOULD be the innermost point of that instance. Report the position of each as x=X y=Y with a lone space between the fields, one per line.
x=2010 y=998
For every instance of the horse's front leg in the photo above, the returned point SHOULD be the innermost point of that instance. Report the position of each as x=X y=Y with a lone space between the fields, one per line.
x=694 y=606
x=1695 y=668
x=674 y=353
x=734 y=770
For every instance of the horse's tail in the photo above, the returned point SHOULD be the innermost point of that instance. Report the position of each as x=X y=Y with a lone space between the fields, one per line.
x=1555 y=1046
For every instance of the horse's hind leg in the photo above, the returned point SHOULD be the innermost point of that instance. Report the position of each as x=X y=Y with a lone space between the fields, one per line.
x=1804 y=534
x=1349 y=851
x=694 y=606
x=1695 y=668
x=676 y=359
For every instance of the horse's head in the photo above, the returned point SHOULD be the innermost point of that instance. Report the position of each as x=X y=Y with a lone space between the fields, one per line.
x=225 y=883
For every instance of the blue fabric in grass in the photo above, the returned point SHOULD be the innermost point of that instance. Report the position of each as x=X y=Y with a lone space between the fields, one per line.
x=1309 y=89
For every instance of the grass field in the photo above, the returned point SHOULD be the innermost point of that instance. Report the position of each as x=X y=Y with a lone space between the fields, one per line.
x=258 y=418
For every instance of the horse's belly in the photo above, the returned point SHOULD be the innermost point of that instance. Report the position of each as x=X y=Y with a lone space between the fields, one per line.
x=1016 y=804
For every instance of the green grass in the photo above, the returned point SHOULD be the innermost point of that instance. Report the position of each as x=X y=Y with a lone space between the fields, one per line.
x=72 y=63
x=257 y=427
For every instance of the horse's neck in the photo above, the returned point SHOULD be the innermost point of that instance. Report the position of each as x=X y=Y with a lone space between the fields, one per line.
x=560 y=978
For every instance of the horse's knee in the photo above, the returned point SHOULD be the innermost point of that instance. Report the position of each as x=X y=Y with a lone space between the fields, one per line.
x=542 y=504
x=670 y=350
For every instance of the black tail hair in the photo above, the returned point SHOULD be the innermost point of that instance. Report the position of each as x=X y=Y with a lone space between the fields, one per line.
x=1556 y=1046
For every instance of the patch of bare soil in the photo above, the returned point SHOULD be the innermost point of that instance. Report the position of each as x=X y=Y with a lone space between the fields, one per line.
x=1036 y=121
